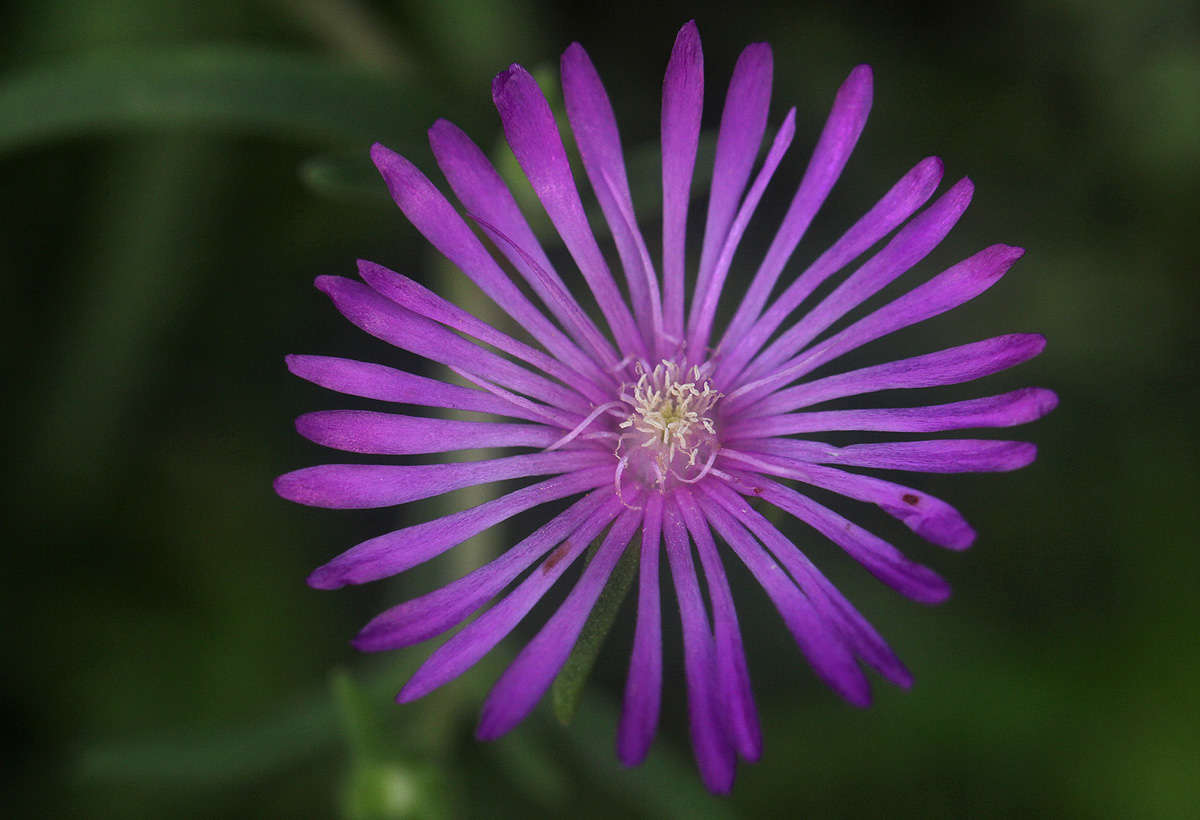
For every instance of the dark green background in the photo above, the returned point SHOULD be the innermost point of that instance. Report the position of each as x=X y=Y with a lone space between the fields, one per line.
x=174 y=176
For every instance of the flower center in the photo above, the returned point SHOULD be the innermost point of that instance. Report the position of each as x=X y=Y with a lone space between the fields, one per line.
x=669 y=436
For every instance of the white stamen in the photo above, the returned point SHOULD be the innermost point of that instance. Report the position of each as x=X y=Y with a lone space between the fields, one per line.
x=579 y=428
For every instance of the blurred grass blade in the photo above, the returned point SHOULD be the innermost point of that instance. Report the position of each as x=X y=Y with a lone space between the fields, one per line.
x=354 y=715
x=567 y=689
x=348 y=176
x=226 y=754
x=252 y=90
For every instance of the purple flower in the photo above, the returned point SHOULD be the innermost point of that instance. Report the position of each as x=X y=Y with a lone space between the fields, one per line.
x=657 y=430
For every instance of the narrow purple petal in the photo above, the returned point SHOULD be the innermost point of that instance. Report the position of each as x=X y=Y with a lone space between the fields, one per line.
x=365 y=431
x=405 y=548
x=438 y=221
x=488 y=200
x=929 y=517
x=912 y=244
x=595 y=128
x=477 y=639
x=715 y=757
x=838 y=138
x=421 y=618
x=643 y=687
x=859 y=635
x=363 y=486
x=949 y=289
x=743 y=122
x=533 y=136
x=422 y=301
x=940 y=456
x=951 y=366
x=883 y=560
x=1005 y=410
x=816 y=632
x=706 y=310
x=682 y=103
x=733 y=678
x=375 y=381
x=386 y=320
x=529 y=676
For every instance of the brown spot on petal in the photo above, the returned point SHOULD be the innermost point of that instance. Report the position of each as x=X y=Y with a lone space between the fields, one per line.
x=909 y=498
x=757 y=490
x=556 y=556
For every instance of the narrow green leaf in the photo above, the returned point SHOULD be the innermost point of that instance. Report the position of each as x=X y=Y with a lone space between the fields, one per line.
x=254 y=90
x=567 y=689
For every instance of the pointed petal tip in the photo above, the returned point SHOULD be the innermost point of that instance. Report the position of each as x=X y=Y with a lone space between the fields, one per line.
x=325 y=578
x=291 y=486
x=408 y=694
x=899 y=676
x=1048 y=399
x=860 y=80
x=502 y=80
x=382 y=156
x=687 y=39
x=328 y=284
x=487 y=729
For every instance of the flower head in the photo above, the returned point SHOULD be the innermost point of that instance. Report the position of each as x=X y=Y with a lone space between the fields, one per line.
x=660 y=434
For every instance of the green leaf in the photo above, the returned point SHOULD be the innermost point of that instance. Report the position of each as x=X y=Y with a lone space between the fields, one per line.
x=567 y=689
x=240 y=89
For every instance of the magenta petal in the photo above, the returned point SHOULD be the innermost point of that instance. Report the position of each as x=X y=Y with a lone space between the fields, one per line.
x=421 y=618
x=643 y=687
x=1005 y=410
x=375 y=381
x=952 y=366
x=530 y=675
x=940 y=456
x=364 y=431
x=386 y=320
x=473 y=642
x=743 y=121
x=733 y=678
x=816 y=633
x=715 y=757
x=595 y=129
x=704 y=311
x=745 y=337
x=405 y=548
x=462 y=651
x=838 y=138
x=533 y=136
x=424 y=302
x=949 y=289
x=363 y=486
x=682 y=101
x=929 y=517
x=487 y=199
x=432 y=215
x=883 y=560
x=908 y=247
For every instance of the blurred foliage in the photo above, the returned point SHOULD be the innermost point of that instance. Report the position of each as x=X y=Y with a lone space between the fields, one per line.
x=177 y=173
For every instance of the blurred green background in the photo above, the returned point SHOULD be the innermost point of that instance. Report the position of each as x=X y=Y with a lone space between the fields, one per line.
x=175 y=175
